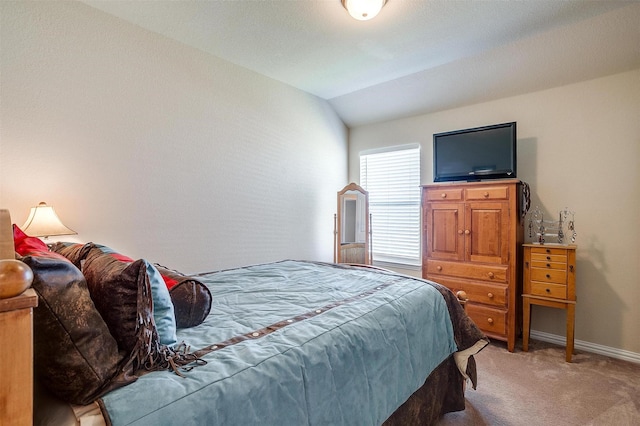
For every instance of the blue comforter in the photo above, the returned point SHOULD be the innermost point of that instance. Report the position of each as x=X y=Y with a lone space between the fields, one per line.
x=311 y=344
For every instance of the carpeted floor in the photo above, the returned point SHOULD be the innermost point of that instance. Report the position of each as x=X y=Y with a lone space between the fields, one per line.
x=539 y=388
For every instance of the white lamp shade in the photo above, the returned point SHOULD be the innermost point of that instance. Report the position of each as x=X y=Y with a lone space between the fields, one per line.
x=44 y=222
x=363 y=10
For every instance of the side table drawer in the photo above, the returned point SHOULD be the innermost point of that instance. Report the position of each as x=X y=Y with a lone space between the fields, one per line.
x=557 y=291
x=488 y=319
x=558 y=276
x=559 y=258
x=548 y=250
x=548 y=265
x=556 y=255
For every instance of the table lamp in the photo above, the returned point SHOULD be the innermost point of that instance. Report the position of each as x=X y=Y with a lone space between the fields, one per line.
x=44 y=222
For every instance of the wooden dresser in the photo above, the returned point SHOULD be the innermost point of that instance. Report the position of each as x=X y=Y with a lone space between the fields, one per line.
x=16 y=359
x=472 y=237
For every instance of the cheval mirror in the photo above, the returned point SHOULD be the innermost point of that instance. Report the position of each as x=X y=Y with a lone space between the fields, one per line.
x=352 y=233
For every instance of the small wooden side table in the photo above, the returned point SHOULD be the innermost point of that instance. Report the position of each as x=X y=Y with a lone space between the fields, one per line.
x=549 y=280
x=16 y=358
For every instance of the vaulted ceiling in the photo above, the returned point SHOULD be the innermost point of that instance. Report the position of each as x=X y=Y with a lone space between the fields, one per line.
x=415 y=57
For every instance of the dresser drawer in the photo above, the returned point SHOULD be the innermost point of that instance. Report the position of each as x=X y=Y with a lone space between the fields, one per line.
x=489 y=294
x=493 y=193
x=557 y=291
x=477 y=292
x=488 y=319
x=495 y=273
x=444 y=194
x=549 y=275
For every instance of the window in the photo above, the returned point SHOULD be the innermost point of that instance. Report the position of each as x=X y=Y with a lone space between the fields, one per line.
x=392 y=178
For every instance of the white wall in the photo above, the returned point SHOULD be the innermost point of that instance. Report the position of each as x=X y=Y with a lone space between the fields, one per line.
x=158 y=149
x=578 y=147
x=163 y=151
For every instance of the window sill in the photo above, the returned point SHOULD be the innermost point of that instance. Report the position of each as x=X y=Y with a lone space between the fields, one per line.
x=397 y=265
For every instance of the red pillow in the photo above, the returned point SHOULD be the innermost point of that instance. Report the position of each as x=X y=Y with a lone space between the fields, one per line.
x=32 y=246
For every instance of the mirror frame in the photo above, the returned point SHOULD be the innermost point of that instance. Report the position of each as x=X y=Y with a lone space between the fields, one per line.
x=343 y=252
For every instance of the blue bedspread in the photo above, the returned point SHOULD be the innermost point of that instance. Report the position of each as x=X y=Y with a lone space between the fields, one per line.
x=350 y=345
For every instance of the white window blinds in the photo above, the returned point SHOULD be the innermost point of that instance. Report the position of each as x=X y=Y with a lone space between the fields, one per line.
x=392 y=178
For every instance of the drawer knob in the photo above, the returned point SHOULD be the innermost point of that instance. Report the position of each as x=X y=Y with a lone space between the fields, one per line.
x=443 y=195
x=548 y=290
x=548 y=257
x=548 y=250
x=548 y=265
x=548 y=276
x=467 y=232
x=490 y=320
x=486 y=194
x=460 y=232
x=439 y=268
x=462 y=295
x=490 y=295
x=491 y=275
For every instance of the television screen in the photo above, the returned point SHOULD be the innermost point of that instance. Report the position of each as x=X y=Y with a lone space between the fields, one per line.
x=487 y=152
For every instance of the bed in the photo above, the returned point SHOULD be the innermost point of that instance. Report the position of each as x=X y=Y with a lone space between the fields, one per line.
x=283 y=343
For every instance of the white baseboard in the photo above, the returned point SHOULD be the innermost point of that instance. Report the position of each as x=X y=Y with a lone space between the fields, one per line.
x=588 y=346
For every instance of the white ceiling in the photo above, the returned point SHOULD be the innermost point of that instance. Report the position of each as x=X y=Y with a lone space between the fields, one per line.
x=415 y=57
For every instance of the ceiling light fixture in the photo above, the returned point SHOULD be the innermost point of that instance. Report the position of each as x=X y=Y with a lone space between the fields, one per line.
x=363 y=10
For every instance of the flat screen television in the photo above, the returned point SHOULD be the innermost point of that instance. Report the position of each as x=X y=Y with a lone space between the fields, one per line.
x=487 y=152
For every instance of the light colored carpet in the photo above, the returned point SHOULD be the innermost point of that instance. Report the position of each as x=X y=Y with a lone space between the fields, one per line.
x=539 y=388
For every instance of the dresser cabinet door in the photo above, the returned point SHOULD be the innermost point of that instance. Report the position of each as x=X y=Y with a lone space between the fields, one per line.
x=445 y=231
x=487 y=232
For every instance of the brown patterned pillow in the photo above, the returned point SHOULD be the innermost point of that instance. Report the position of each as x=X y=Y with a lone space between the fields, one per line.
x=75 y=252
x=121 y=292
x=163 y=310
x=75 y=356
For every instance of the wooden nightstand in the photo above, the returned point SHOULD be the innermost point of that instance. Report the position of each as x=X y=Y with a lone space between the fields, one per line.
x=16 y=358
x=549 y=280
